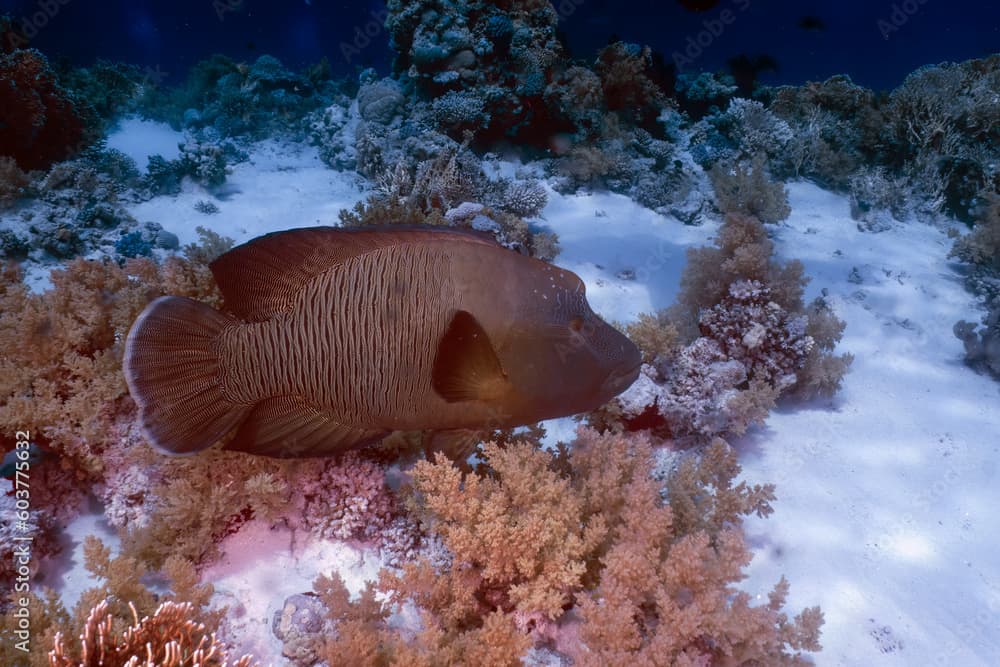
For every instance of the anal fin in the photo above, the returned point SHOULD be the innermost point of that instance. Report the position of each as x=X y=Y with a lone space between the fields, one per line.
x=456 y=444
x=291 y=427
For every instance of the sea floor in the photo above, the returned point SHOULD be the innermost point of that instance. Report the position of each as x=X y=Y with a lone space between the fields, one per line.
x=887 y=494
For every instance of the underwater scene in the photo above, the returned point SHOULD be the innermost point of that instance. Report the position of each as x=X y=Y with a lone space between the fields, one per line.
x=452 y=332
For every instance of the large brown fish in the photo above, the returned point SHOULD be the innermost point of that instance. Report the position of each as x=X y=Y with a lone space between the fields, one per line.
x=340 y=336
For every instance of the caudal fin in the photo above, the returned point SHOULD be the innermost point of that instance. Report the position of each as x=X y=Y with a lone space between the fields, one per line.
x=173 y=373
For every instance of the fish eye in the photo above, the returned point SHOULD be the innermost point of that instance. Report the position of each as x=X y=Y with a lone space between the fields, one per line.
x=576 y=324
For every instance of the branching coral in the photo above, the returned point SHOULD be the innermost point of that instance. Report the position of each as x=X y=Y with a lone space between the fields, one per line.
x=363 y=638
x=170 y=637
x=936 y=133
x=981 y=248
x=770 y=343
x=877 y=196
x=702 y=495
x=706 y=393
x=197 y=502
x=192 y=504
x=665 y=593
x=26 y=628
x=108 y=613
x=655 y=335
x=517 y=533
x=755 y=129
x=835 y=127
x=742 y=252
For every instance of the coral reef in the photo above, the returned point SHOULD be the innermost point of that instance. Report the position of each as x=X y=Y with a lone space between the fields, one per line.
x=835 y=127
x=754 y=129
x=363 y=637
x=980 y=248
x=452 y=189
x=738 y=338
x=941 y=132
x=691 y=613
x=76 y=207
x=477 y=54
x=170 y=637
x=982 y=245
x=13 y=182
x=108 y=613
x=62 y=372
x=39 y=523
x=187 y=506
x=106 y=91
x=935 y=136
x=40 y=121
x=225 y=99
x=877 y=197
x=579 y=546
x=982 y=345
x=746 y=189
x=629 y=89
x=206 y=163
x=347 y=498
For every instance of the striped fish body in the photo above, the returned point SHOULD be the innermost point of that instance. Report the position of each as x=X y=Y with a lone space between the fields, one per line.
x=338 y=337
x=361 y=338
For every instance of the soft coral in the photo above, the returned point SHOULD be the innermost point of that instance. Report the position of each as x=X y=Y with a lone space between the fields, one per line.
x=39 y=122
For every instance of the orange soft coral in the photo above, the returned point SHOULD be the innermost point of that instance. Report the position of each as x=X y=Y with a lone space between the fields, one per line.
x=519 y=530
x=666 y=596
x=589 y=533
x=60 y=371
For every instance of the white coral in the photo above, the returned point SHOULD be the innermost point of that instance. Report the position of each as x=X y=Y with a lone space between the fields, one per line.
x=757 y=129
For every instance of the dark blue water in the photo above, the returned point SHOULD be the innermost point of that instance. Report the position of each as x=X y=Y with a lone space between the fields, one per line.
x=876 y=42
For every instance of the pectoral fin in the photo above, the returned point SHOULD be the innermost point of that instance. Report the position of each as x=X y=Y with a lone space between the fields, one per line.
x=466 y=367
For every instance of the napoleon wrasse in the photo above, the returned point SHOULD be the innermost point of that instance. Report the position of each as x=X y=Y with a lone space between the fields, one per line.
x=337 y=337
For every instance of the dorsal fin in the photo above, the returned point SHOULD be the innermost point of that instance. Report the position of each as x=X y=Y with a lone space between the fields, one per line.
x=260 y=278
x=466 y=367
